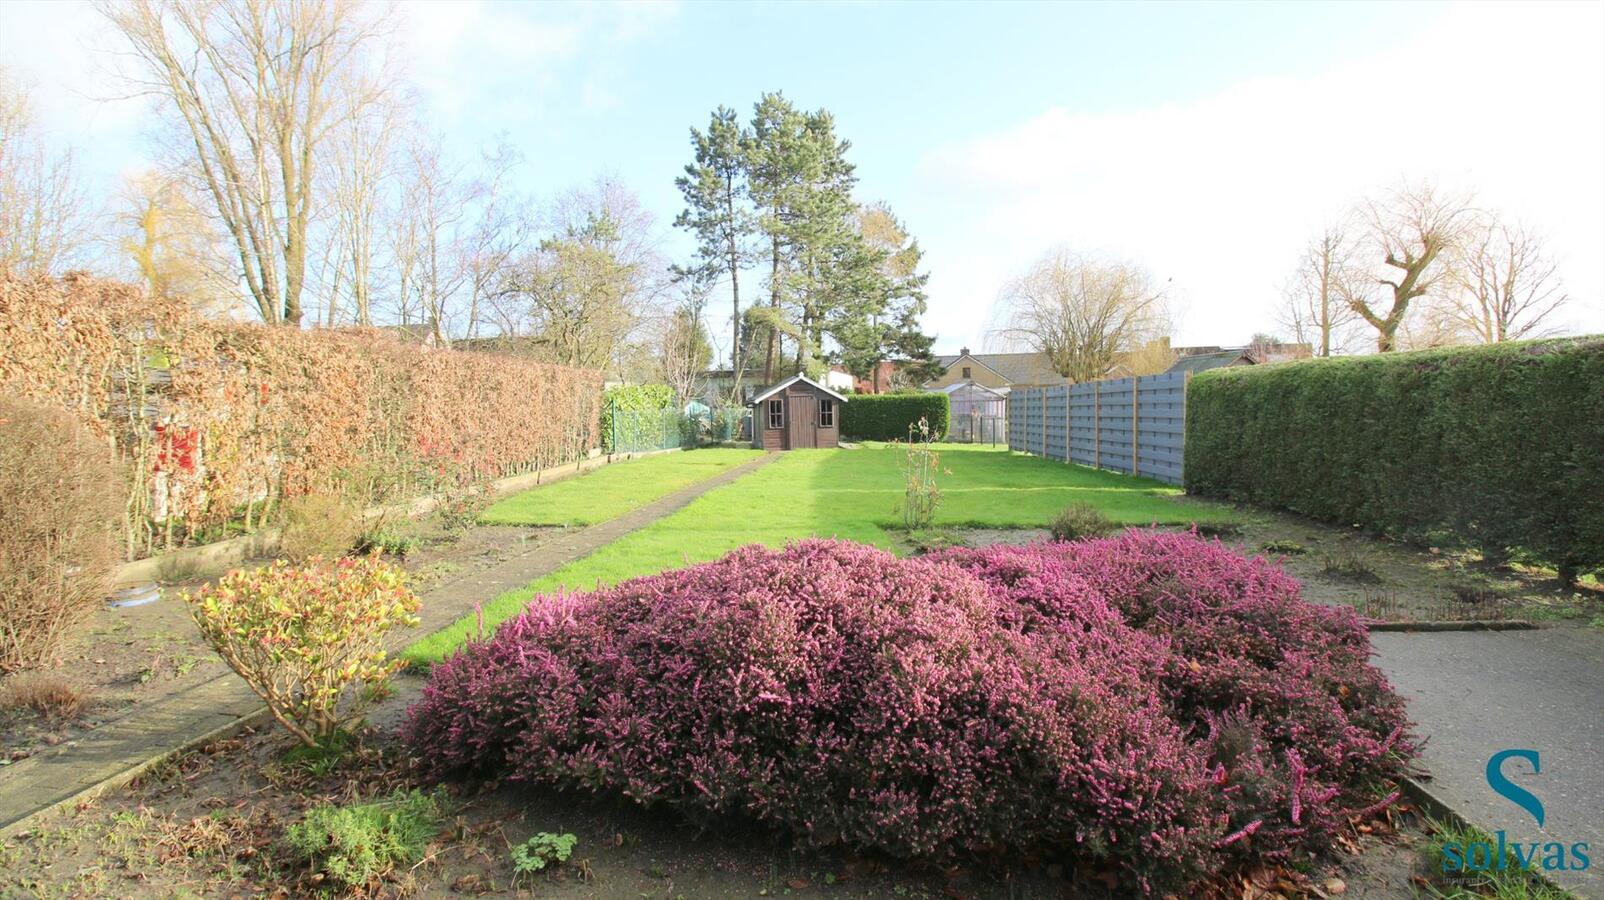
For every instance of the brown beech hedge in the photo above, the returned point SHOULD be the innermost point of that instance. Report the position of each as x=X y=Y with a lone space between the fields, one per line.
x=217 y=421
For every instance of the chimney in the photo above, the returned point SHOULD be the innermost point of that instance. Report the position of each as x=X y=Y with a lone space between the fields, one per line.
x=963 y=351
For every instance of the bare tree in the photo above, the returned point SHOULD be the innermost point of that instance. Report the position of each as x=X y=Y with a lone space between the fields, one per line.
x=502 y=228
x=1318 y=306
x=585 y=290
x=361 y=161
x=42 y=203
x=1505 y=283
x=433 y=209
x=1082 y=313
x=684 y=349
x=172 y=245
x=1411 y=233
x=1431 y=323
x=254 y=83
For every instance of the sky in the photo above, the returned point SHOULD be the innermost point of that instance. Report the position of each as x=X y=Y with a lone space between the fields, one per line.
x=1205 y=142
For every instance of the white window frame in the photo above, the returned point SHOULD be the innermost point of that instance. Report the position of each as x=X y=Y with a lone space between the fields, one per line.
x=826 y=411
x=776 y=412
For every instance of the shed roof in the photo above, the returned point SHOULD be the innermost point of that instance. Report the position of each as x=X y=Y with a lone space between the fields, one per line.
x=787 y=383
x=972 y=386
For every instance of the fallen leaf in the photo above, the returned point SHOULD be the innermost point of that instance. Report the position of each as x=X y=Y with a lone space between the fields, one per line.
x=1336 y=886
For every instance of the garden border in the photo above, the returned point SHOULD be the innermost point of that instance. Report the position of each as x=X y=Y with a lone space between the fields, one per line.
x=232 y=693
x=218 y=557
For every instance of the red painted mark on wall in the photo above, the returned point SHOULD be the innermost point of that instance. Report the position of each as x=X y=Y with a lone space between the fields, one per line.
x=177 y=447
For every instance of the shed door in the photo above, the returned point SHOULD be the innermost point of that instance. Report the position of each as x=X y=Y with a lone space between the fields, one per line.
x=803 y=421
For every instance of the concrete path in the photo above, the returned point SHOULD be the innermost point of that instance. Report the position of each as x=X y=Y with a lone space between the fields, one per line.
x=121 y=749
x=1477 y=693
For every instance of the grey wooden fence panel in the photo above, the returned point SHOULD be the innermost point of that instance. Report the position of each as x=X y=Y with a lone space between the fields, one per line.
x=1130 y=425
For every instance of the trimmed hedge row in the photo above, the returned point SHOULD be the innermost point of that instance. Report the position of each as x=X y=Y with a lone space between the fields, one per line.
x=631 y=398
x=886 y=417
x=1499 y=448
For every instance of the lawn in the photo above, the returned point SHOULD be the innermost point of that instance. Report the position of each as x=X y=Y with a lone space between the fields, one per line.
x=613 y=490
x=851 y=494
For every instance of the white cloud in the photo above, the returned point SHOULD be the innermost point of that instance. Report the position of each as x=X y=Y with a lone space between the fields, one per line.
x=501 y=60
x=1219 y=195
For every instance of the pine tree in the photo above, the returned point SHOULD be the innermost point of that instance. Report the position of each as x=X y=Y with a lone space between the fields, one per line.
x=717 y=212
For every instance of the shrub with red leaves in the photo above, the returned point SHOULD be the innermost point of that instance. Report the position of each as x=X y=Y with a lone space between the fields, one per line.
x=1135 y=703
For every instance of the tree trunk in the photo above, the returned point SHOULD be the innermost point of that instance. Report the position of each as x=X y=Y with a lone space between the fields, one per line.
x=774 y=287
x=735 y=285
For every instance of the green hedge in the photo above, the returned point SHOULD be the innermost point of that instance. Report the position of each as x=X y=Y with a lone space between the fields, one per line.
x=632 y=398
x=1499 y=448
x=886 y=417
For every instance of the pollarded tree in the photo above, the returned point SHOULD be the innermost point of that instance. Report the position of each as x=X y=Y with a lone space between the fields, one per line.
x=1082 y=313
x=1411 y=236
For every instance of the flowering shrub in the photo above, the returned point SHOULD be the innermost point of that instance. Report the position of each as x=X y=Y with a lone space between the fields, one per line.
x=1297 y=725
x=308 y=639
x=969 y=703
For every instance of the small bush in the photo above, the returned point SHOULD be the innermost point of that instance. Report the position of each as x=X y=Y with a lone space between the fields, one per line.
x=61 y=504
x=319 y=525
x=47 y=694
x=540 y=851
x=308 y=639
x=921 y=466
x=1152 y=704
x=389 y=540
x=1283 y=548
x=887 y=417
x=355 y=846
x=462 y=506
x=1081 y=520
x=1348 y=564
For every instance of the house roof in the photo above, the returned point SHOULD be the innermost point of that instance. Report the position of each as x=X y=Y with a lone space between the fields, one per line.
x=1014 y=368
x=1199 y=362
x=787 y=383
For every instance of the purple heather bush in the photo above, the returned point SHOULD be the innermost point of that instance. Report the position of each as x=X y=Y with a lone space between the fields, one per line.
x=1150 y=703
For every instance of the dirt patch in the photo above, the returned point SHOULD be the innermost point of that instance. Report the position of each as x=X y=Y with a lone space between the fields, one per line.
x=211 y=822
x=136 y=655
x=1385 y=580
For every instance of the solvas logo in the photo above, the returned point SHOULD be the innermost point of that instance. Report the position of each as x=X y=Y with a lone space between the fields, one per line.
x=1479 y=856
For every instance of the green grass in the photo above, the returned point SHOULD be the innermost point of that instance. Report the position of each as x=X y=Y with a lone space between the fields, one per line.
x=613 y=490
x=850 y=494
x=1512 y=882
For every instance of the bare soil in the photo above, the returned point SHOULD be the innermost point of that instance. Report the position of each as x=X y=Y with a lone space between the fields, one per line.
x=1384 y=579
x=137 y=655
x=211 y=822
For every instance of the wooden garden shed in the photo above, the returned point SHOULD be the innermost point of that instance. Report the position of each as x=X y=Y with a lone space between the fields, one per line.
x=796 y=413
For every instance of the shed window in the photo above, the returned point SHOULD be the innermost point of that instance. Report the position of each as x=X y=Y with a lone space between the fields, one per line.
x=776 y=413
x=966 y=372
x=826 y=413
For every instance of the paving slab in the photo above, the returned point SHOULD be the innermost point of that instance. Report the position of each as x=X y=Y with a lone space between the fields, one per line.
x=1474 y=694
x=121 y=748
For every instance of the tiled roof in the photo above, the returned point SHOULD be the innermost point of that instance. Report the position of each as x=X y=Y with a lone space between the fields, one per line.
x=1015 y=368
